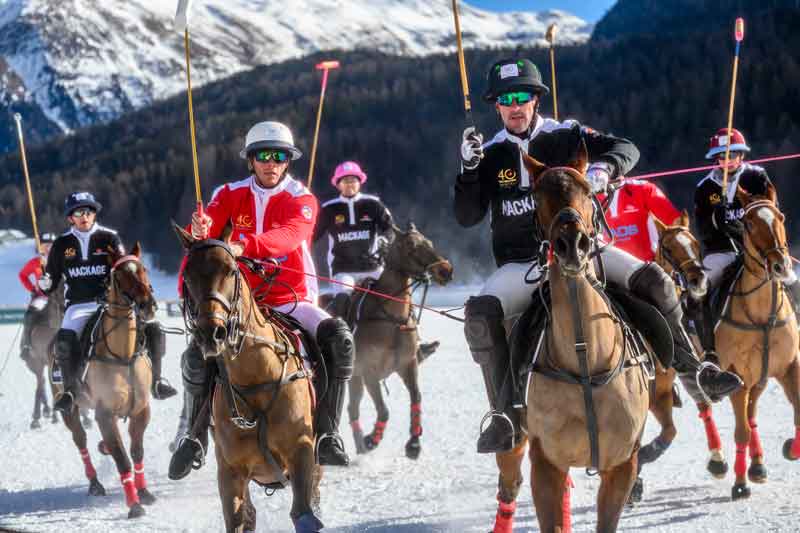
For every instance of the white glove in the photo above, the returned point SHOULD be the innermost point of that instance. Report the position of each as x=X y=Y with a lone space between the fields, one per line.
x=201 y=225
x=45 y=283
x=471 y=149
x=598 y=176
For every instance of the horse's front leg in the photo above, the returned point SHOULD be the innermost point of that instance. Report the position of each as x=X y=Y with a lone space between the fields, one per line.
x=550 y=487
x=791 y=387
x=615 y=488
x=410 y=376
x=356 y=393
x=37 y=400
x=739 y=400
x=72 y=422
x=112 y=444
x=232 y=485
x=757 y=473
x=136 y=428
x=508 y=484
x=372 y=440
x=302 y=474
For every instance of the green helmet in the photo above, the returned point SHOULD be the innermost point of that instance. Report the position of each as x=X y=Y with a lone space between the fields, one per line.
x=514 y=74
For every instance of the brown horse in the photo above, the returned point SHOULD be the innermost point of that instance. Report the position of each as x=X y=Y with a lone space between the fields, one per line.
x=678 y=253
x=118 y=379
x=587 y=398
x=757 y=335
x=263 y=399
x=386 y=335
x=43 y=330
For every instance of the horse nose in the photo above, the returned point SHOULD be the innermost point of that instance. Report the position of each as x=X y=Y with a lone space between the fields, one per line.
x=584 y=244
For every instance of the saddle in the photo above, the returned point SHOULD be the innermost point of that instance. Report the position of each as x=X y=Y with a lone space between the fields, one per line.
x=644 y=323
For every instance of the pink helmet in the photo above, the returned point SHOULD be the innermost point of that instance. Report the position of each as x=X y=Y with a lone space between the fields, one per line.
x=348 y=168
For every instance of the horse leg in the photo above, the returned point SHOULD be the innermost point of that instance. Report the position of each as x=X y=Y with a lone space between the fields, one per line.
x=37 y=400
x=615 y=487
x=73 y=423
x=509 y=482
x=757 y=473
x=107 y=423
x=356 y=393
x=136 y=428
x=372 y=440
x=549 y=485
x=717 y=466
x=791 y=387
x=302 y=474
x=232 y=486
x=249 y=511
x=410 y=377
x=661 y=407
x=739 y=400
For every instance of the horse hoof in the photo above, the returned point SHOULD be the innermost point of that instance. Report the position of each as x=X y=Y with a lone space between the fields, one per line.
x=358 y=438
x=413 y=448
x=787 y=450
x=137 y=511
x=46 y=411
x=718 y=469
x=308 y=523
x=35 y=424
x=637 y=491
x=102 y=448
x=740 y=492
x=146 y=497
x=95 y=488
x=369 y=444
x=757 y=473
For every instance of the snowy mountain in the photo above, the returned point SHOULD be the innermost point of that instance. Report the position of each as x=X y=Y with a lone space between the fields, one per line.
x=78 y=62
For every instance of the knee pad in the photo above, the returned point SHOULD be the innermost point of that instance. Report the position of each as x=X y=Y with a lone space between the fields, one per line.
x=156 y=339
x=483 y=327
x=195 y=371
x=336 y=344
x=654 y=286
x=67 y=345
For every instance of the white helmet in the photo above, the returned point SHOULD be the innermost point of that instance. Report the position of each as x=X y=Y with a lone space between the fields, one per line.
x=270 y=135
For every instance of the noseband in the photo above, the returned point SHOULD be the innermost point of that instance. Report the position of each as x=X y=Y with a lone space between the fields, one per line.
x=782 y=250
x=130 y=303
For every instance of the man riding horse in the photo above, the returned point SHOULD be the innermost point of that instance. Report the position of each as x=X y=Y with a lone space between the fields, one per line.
x=719 y=219
x=360 y=229
x=29 y=276
x=493 y=177
x=273 y=217
x=81 y=257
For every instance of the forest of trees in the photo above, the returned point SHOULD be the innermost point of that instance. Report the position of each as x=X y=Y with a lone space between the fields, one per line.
x=402 y=118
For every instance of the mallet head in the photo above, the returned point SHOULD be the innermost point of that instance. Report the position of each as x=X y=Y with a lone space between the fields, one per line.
x=550 y=35
x=327 y=65
x=18 y=117
x=739 y=30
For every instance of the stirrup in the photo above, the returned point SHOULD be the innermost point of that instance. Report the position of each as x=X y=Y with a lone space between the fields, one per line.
x=321 y=438
x=197 y=464
x=161 y=381
x=501 y=415
x=62 y=395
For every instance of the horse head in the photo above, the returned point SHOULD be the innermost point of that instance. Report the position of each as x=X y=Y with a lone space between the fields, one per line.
x=414 y=255
x=130 y=285
x=679 y=253
x=564 y=210
x=212 y=289
x=765 y=233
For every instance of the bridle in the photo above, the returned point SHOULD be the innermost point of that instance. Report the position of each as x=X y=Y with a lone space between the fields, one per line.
x=678 y=268
x=764 y=254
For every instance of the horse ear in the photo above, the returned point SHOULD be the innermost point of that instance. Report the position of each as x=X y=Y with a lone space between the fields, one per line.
x=535 y=168
x=772 y=194
x=684 y=220
x=580 y=162
x=184 y=236
x=412 y=227
x=744 y=197
x=227 y=232
x=660 y=226
x=137 y=249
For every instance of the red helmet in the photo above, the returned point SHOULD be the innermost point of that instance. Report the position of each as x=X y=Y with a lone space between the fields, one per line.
x=720 y=142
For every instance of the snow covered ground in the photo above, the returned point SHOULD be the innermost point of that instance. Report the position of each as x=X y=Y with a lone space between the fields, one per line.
x=449 y=489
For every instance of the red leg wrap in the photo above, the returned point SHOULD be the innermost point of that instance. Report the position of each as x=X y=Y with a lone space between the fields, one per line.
x=504 y=521
x=566 y=508
x=131 y=496
x=138 y=476
x=755 y=441
x=416 y=419
x=795 y=451
x=88 y=467
x=377 y=432
x=356 y=425
x=712 y=435
x=740 y=466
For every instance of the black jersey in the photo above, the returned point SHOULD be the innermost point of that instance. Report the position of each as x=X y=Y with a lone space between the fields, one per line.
x=708 y=196
x=353 y=226
x=501 y=182
x=83 y=262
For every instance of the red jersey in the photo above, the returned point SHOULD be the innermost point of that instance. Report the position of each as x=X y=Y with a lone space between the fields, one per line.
x=629 y=215
x=30 y=274
x=275 y=223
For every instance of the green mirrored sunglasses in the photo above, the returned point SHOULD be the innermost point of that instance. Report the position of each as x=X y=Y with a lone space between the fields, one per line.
x=521 y=97
x=279 y=156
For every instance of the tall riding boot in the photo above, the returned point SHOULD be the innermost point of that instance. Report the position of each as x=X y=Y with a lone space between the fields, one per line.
x=191 y=451
x=27 y=327
x=653 y=285
x=340 y=306
x=338 y=352
x=156 y=342
x=67 y=355
x=487 y=341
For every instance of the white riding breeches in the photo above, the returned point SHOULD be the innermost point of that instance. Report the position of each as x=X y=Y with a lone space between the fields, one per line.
x=77 y=315
x=508 y=283
x=348 y=280
x=308 y=314
x=716 y=265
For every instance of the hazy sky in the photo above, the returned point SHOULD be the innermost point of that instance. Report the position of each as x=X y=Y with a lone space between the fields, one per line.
x=590 y=10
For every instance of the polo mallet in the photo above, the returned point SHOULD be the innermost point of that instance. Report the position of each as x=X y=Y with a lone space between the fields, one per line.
x=550 y=36
x=31 y=206
x=325 y=67
x=182 y=24
x=462 y=66
x=739 y=35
